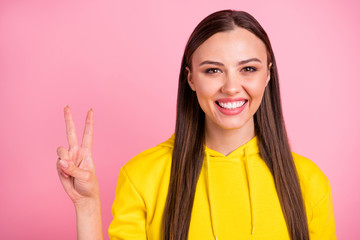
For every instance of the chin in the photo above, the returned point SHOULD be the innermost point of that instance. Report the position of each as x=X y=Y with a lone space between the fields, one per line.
x=231 y=126
x=235 y=124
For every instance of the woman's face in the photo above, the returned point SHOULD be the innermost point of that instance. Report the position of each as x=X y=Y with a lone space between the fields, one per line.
x=229 y=74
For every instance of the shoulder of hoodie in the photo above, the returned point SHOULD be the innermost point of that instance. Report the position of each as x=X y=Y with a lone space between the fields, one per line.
x=314 y=183
x=150 y=163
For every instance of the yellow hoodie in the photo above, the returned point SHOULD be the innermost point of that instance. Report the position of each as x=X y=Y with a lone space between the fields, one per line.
x=235 y=197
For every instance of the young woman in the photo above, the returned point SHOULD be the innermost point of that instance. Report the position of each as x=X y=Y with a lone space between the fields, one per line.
x=228 y=171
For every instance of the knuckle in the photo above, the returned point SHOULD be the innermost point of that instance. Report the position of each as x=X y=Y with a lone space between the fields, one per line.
x=59 y=149
x=61 y=152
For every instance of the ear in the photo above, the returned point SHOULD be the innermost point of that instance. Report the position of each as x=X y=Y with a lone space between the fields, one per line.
x=189 y=79
x=268 y=73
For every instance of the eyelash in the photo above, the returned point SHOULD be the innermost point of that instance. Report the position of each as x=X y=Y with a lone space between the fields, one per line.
x=245 y=69
x=211 y=70
x=249 y=69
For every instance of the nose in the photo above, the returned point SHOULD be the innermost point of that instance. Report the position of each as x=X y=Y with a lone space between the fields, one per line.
x=232 y=83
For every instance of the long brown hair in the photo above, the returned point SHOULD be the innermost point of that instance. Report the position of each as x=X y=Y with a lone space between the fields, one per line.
x=188 y=153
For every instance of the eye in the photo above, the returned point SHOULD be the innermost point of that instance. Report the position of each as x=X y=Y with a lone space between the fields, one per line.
x=248 y=69
x=212 y=70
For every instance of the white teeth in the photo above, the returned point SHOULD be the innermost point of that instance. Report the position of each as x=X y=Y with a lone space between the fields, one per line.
x=231 y=105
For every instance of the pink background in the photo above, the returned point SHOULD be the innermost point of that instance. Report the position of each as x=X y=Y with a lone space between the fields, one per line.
x=123 y=59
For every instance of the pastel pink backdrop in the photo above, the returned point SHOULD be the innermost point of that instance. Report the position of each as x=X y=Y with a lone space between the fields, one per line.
x=123 y=59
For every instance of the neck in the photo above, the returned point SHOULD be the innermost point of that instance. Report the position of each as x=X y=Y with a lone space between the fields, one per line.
x=226 y=141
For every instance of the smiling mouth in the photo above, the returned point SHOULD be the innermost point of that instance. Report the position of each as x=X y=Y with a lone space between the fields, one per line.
x=231 y=105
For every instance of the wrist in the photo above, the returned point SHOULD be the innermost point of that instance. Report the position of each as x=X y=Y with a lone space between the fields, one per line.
x=88 y=219
x=87 y=204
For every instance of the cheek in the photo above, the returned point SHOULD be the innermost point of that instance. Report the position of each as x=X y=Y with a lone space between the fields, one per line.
x=204 y=97
x=206 y=89
x=206 y=94
x=256 y=89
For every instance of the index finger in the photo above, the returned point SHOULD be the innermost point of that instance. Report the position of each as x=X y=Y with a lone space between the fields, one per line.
x=70 y=128
x=89 y=130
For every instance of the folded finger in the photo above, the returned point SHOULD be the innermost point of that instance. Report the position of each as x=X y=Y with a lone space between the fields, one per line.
x=60 y=171
x=70 y=169
x=64 y=175
x=63 y=153
x=65 y=180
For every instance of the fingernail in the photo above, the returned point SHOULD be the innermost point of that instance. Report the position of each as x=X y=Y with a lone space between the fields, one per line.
x=64 y=164
x=91 y=109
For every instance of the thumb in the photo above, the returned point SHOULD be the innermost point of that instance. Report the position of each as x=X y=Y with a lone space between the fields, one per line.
x=69 y=168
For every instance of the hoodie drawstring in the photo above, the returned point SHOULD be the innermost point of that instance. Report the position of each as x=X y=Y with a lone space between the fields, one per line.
x=250 y=192
x=212 y=218
x=209 y=194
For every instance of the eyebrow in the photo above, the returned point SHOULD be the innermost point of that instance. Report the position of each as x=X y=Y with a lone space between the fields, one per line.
x=221 y=64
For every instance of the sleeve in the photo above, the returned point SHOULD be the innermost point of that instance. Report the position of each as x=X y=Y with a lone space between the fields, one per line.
x=129 y=211
x=322 y=224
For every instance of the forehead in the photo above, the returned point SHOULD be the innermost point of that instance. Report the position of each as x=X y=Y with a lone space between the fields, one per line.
x=231 y=46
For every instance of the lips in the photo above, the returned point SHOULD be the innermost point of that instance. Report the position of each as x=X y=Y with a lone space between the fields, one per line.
x=231 y=106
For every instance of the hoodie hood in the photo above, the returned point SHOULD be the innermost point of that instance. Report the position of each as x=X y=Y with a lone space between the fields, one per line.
x=235 y=198
x=243 y=152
